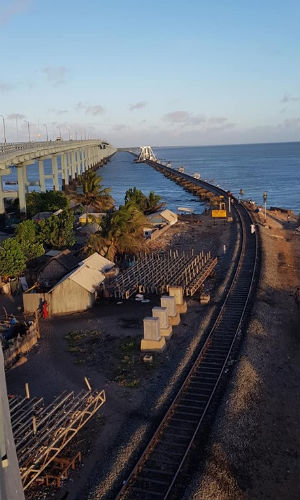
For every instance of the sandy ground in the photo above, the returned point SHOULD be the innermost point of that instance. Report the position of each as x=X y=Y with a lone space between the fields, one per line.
x=110 y=442
x=253 y=451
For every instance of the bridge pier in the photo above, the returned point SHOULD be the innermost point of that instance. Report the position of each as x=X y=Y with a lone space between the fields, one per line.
x=2 y=192
x=55 y=173
x=64 y=169
x=42 y=176
x=22 y=187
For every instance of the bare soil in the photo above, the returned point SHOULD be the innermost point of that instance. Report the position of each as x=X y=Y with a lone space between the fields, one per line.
x=253 y=451
x=103 y=344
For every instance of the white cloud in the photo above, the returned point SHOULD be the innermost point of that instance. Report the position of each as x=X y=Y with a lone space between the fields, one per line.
x=56 y=74
x=137 y=105
x=15 y=116
x=93 y=110
x=186 y=119
x=13 y=8
x=6 y=87
x=288 y=98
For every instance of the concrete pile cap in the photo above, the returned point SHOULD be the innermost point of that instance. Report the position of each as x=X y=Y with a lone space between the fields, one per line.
x=162 y=314
x=151 y=328
x=169 y=303
x=177 y=292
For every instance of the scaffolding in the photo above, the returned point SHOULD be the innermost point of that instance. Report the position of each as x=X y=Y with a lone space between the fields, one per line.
x=155 y=273
x=41 y=432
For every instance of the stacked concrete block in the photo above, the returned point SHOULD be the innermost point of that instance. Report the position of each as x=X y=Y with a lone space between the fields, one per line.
x=204 y=298
x=177 y=292
x=170 y=304
x=162 y=314
x=152 y=341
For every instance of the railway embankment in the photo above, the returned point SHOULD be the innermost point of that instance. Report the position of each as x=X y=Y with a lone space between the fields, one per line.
x=253 y=451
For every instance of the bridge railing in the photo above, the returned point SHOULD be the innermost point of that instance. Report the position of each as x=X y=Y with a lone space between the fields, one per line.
x=8 y=149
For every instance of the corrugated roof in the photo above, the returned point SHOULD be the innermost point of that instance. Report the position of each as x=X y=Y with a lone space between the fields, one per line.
x=96 y=261
x=169 y=215
x=84 y=276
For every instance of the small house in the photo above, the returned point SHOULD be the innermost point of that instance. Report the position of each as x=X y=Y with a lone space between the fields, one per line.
x=51 y=267
x=160 y=219
x=76 y=291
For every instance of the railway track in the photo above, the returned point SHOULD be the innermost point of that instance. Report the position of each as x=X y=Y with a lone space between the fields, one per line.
x=155 y=474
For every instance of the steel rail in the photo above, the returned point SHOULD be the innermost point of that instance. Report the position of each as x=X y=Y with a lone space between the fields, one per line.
x=212 y=371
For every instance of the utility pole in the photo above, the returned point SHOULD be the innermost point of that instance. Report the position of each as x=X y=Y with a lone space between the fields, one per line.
x=45 y=125
x=265 y=195
x=4 y=133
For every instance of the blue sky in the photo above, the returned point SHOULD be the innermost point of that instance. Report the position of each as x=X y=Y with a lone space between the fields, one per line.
x=151 y=72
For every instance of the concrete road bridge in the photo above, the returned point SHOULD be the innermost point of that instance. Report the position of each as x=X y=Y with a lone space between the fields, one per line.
x=75 y=158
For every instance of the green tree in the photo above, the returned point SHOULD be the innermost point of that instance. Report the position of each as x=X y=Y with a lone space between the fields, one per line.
x=26 y=236
x=136 y=196
x=153 y=203
x=122 y=232
x=12 y=259
x=146 y=204
x=58 y=230
x=93 y=194
x=50 y=201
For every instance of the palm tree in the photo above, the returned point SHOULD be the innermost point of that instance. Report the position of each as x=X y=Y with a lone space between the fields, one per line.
x=147 y=204
x=153 y=203
x=93 y=194
x=122 y=232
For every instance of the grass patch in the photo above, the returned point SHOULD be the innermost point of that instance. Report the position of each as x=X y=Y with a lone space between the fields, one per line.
x=120 y=360
x=84 y=344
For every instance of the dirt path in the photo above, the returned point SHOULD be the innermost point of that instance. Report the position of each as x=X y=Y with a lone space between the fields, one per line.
x=253 y=452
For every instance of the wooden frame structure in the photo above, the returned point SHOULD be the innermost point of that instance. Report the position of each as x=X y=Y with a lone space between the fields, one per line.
x=40 y=433
x=155 y=273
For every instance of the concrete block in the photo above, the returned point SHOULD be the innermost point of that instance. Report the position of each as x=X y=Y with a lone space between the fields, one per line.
x=181 y=308
x=153 y=345
x=162 y=314
x=152 y=329
x=177 y=292
x=174 y=320
x=170 y=304
x=204 y=298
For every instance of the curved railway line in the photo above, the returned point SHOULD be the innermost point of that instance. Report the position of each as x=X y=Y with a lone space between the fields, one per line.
x=155 y=474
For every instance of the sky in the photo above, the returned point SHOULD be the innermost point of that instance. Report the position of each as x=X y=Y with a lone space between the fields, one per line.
x=154 y=72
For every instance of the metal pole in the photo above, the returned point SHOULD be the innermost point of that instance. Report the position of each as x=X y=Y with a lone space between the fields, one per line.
x=45 y=125
x=4 y=133
x=265 y=211
x=28 y=127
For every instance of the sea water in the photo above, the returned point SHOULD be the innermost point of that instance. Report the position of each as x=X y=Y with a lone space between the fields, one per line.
x=255 y=168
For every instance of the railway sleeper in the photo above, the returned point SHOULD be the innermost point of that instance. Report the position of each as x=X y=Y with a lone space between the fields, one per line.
x=172 y=442
x=200 y=386
x=187 y=407
x=174 y=439
x=183 y=422
x=168 y=452
x=185 y=415
x=158 y=471
x=162 y=462
x=144 y=477
x=193 y=402
x=149 y=494
x=209 y=366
